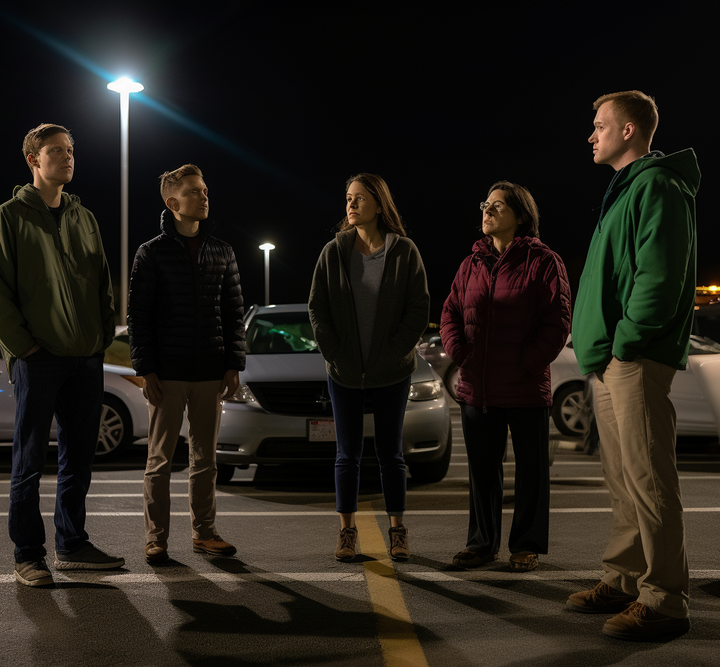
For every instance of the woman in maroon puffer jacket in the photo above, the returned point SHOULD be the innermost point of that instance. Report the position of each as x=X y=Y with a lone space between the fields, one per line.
x=505 y=321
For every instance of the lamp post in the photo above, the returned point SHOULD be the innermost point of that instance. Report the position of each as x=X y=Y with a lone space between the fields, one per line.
x=266 y=248
x=124 y=86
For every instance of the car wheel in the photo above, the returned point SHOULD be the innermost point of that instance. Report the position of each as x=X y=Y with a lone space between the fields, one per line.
x=225 y=473
x=435 y=471
x=115 y=427
x=452 y=377
x=567 y=409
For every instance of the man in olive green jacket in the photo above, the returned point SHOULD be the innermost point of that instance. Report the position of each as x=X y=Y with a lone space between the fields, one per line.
x=57 y=319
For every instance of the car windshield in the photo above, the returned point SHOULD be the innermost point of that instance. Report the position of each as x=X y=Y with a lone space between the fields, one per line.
x=280 y=333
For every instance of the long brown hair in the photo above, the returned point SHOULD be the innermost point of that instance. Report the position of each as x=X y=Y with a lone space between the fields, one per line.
x=389 y=219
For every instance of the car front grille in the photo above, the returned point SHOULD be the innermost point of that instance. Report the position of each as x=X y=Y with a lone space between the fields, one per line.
x=307 y=399
x=301 y=448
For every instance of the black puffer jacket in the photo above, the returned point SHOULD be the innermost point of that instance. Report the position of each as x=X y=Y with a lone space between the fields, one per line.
x=185 y=320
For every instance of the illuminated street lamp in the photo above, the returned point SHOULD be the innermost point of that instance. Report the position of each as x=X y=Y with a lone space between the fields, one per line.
x=124 y=86
x=266 y=248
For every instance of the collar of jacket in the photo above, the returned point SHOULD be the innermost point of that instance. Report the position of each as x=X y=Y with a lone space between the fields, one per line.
x=30 y=196
x=346 y=242
x=486 y=248
x=167 y=227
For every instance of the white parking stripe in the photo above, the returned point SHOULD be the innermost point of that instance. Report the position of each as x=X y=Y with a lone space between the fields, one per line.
x=120 y=578
x=553 y=510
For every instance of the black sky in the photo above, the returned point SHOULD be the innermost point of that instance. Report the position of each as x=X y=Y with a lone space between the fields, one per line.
x=289 y=99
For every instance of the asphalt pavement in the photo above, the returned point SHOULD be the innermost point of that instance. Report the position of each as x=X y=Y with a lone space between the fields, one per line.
x=284 y=600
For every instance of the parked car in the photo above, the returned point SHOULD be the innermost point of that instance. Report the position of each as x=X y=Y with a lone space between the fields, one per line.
x=282 y=411
x=695 y=395
x=124 y=412
x=567 y=382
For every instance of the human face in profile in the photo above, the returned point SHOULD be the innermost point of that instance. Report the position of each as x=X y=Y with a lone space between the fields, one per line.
x=361 y=207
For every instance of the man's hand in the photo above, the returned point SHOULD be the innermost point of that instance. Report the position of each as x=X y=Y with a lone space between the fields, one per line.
x=230 y=384
x=152 y=389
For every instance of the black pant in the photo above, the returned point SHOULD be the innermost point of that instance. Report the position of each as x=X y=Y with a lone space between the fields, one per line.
x=485 y=437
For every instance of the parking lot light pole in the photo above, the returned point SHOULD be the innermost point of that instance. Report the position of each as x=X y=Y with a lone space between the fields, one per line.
x=124 y=86
x=266 y=248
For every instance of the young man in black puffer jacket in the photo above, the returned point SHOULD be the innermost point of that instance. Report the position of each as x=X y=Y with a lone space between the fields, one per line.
x=187 y=341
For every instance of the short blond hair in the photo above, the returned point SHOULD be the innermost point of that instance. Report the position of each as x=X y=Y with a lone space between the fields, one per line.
x=635 y=107
x=170 y=180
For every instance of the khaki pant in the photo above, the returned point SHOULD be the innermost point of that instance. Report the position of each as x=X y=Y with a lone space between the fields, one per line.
x=203 y=407
x=636 y=423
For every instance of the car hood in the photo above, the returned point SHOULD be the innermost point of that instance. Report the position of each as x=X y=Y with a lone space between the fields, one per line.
x=308 y=366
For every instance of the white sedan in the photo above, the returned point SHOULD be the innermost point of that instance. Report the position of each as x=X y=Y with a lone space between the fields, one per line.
x=124 y=416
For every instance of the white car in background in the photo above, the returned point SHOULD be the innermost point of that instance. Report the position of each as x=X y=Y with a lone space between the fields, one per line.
x=567 y=383
x=694 y=393
x=124 y=417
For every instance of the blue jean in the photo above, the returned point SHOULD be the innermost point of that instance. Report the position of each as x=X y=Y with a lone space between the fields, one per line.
x=388 y=404
x=71 y=389
x=485 y=437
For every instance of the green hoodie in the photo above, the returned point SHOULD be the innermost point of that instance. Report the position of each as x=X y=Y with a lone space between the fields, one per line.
x=55 y=287
x=637 y=291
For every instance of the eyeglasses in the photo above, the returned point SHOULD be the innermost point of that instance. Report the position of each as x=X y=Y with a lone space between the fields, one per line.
x=497 y=205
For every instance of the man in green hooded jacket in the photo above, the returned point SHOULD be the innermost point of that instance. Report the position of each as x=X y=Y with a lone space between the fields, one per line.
x=57 y=319
x=631 y=326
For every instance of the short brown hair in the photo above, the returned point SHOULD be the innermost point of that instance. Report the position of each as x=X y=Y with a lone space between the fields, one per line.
x=35 y=139
x=635 y=107
x=389 y=219
x=170 y=180
x=523 y=206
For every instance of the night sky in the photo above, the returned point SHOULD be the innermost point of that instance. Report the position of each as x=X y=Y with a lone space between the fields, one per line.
x=279 y=103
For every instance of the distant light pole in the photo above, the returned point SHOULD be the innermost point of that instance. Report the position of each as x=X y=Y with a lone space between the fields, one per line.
x=124 y=86
x=266 y=248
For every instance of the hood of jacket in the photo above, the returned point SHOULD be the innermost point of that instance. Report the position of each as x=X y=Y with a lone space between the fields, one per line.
x=346 y=242
x=683 y=164
x=30 y=196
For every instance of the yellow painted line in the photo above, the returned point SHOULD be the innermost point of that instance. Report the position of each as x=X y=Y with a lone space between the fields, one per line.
x=398 y=640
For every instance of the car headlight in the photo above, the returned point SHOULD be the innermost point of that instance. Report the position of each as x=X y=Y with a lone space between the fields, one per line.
x=242 y=395
x=425 y=391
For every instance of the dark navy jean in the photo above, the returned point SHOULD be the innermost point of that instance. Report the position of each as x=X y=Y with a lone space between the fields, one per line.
x=388 y=404
x=71 y=389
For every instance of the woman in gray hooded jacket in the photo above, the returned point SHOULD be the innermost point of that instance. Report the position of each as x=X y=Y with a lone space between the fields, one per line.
x=369 y=304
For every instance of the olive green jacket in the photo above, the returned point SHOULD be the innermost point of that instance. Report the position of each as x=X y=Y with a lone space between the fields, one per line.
x=55 y=288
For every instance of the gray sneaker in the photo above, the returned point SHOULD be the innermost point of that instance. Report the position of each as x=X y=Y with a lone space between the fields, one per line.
x=87 y=557
x=33 y=573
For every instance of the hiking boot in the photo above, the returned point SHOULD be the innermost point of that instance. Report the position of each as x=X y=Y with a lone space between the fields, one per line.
x=640 y=623
x=602 y=599
x=156 y=552
x=523 y=561
x=399 y=548
x=87 y=557
x=345 y=549
x=468 y=559
x=33 y=573
x=215 y=546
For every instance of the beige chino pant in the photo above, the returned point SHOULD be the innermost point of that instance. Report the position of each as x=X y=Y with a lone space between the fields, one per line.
x=636 y=423
x=202 y=400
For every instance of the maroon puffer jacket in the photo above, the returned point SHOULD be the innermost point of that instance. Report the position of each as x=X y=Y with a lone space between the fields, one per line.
x=505 y=321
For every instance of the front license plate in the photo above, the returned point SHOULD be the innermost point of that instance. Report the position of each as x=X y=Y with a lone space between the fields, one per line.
x=321 y=430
